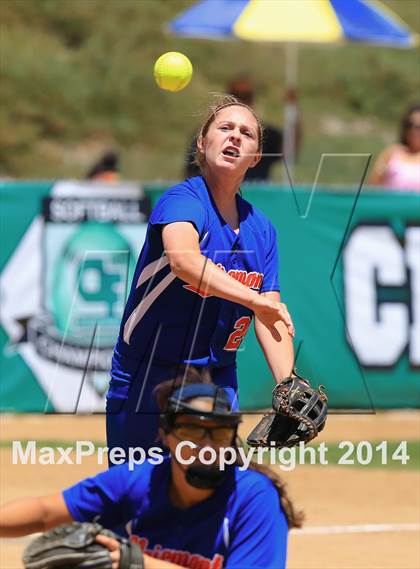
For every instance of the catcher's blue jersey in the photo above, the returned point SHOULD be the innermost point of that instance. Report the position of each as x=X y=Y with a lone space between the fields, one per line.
x=241 y=526
x=169 y=321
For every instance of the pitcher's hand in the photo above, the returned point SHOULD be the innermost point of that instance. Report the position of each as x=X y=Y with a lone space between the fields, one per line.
x=269 y=312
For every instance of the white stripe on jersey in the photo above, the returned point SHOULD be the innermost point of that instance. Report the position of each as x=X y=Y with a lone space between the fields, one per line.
x=155 y=266
x=149 y=271
x=226 y=535
x=144 y=306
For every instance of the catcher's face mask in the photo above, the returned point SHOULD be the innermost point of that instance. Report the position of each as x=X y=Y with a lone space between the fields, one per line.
x=202 y=415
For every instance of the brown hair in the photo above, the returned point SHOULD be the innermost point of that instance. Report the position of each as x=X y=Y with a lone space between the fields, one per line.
x=221 y=103
x=191 y=374
x=405 y=121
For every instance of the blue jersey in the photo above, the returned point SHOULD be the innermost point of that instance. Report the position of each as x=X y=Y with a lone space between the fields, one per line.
x=240 y=526
x=172 y=322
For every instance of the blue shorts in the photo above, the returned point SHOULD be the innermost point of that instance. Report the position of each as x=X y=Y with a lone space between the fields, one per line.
x=132 y=415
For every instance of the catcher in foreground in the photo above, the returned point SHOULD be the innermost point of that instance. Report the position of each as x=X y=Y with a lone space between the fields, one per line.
x=182 y=514
x=300 y=413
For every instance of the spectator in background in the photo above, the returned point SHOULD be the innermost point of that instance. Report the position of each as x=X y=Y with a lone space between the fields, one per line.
x=242 y=89
x=398 y=166
x=106 y=169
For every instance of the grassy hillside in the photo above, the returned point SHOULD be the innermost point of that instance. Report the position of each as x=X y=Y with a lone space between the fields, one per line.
x=77 y=78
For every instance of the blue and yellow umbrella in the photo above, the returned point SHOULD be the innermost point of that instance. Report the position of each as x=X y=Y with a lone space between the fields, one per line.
x=294 y=21
x=323 y=21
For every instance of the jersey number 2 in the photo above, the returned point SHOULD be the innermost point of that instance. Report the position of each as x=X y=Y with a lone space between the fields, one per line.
x=240 y=328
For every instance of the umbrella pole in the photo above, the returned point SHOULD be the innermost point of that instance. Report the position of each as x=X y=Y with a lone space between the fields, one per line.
x=290 y=110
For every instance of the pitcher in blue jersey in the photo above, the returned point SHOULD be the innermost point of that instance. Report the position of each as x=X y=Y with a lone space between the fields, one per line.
x=181 y=515
x=208 y=266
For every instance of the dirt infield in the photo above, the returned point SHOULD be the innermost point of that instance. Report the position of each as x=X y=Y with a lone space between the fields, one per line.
x=379 y=505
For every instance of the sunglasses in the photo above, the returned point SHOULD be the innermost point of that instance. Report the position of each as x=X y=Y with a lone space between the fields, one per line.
x=197 y=433
x=412 y=125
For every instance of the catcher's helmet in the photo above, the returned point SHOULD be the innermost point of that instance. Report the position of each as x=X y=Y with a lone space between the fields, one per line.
x=179 y=402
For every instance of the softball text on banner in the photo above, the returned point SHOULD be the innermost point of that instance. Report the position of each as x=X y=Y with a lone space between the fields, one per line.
x=63 y=289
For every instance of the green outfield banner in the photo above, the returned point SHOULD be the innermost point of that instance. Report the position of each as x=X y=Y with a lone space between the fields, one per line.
x=349 y=273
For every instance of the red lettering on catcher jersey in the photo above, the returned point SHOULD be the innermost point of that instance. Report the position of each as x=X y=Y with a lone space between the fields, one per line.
x=180 y=557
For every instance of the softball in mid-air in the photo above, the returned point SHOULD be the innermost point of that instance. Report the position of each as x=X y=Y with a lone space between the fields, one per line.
x=173 y=71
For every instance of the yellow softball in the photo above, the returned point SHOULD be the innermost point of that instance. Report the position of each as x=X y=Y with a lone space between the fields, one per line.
x=173 y=71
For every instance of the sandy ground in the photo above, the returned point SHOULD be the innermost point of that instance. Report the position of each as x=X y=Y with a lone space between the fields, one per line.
x=331 y=496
